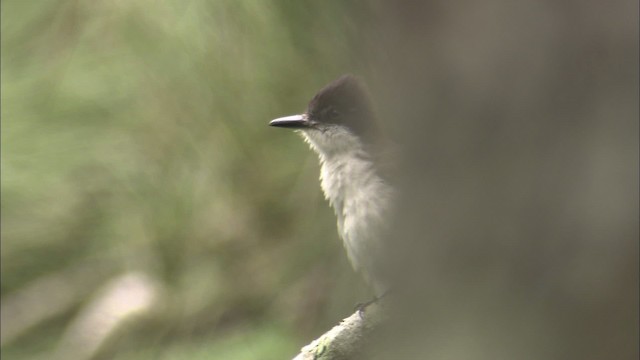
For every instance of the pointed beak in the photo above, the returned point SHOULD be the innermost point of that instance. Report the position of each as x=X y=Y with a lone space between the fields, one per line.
x=291 y=122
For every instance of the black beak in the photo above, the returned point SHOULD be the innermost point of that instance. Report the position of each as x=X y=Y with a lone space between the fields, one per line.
x=291 y=122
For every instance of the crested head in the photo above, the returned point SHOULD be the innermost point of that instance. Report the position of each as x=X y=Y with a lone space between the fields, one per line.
x=344 y=102
x=339 y=118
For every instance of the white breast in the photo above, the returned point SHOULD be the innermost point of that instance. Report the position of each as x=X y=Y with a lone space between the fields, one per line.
x=361 y=201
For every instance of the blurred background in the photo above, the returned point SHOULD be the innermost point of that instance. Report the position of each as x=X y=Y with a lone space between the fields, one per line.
x=149 y=212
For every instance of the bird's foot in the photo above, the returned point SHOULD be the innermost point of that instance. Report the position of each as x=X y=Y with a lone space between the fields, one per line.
x=361 y=307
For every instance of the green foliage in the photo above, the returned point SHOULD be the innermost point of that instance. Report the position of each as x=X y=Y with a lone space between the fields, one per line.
x=135 y=139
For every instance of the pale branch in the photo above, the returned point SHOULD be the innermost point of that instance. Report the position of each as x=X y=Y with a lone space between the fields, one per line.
x=347 y=339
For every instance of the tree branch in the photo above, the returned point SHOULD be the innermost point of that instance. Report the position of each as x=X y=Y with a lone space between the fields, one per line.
x=345 y=340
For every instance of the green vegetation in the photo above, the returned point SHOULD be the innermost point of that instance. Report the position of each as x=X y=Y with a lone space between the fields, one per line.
x=135 y=143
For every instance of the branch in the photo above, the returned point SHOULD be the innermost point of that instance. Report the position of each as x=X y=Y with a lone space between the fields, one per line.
x=345 y=340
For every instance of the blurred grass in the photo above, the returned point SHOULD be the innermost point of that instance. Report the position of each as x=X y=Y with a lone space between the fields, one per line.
x=134 y=139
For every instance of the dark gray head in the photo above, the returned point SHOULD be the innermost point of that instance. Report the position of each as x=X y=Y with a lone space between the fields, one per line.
x=338 y=111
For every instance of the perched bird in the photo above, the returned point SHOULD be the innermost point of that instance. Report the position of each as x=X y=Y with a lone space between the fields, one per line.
x=341 y=127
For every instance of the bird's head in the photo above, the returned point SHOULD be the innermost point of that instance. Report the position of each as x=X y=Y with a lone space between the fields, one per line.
x=339 y=118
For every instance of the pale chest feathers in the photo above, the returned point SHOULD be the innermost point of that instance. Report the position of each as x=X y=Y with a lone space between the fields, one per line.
x=361 y=201
x=360 y=198
x=353 y=188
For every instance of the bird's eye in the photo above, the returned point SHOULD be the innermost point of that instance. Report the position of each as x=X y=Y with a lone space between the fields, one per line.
x=333 y=113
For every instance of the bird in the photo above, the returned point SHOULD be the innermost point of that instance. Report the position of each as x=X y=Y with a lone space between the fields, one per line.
x=340 y=125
